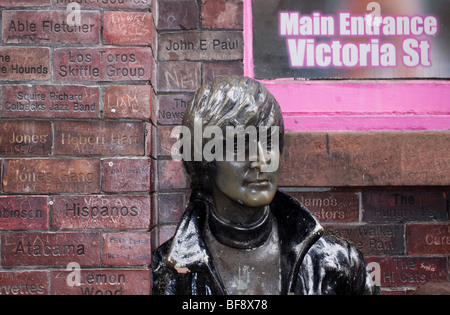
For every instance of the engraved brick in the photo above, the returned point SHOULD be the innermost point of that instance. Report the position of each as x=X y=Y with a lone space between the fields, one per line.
x=24 y=3
x=49 y=27
x=128 y=101
x=25 y=138
x=427 y=239
x=177 y=14
x=410 y=271
x=127 y=28
x=179 y=76
x=171 y=207
x=50 y=249
x=207 y=46
x=24 y=63
x=404 y=206
x=23 y=213
x=222 y=14
x=213 y=70
x=101 y=212
x=366 y=159
x=49 y=101
x=127 y=249
x=107 y=4
x=172 y=175
x=172 y=108
x=165 y=140
x=371 y=238
x=126 y=175
x=99 y=138
x=24 y=282
x=103 y=64
x=330 y=206
x=103 y=282
x=51 y=176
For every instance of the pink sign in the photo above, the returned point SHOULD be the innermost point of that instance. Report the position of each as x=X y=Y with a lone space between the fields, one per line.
x=341 y=105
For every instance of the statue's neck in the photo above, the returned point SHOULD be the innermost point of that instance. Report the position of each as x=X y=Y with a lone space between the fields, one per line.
x=238 y=226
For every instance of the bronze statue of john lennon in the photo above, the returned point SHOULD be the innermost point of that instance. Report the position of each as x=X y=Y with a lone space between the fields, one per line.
x=239 y=233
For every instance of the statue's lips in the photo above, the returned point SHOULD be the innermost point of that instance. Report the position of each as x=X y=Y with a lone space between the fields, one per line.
x=257 y=183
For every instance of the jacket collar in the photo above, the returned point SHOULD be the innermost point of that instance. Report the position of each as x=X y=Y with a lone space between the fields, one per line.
x=298 y=230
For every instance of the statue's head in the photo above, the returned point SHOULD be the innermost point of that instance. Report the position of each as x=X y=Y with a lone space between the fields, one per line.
x=241 y=140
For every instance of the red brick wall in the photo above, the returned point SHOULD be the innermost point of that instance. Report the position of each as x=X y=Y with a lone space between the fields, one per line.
x=91 y=180
x=76 y=147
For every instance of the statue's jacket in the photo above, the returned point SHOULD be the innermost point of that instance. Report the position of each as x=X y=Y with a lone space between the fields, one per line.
x=312 y=262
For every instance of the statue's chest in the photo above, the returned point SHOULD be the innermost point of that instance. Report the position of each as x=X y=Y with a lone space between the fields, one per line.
x=248 y=272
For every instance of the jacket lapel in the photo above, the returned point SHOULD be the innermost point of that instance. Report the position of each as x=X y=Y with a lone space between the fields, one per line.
x=189 y=253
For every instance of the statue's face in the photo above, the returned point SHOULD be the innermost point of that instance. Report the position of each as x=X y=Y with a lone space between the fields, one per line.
x=245 y=183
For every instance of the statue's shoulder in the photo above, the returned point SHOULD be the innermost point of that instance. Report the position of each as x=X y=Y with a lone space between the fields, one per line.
x=343 y=249
x=341 y=266
x=159 y=255
x=164 y=279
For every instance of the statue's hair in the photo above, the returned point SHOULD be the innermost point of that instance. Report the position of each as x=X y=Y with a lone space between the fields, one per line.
x=229 y=101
